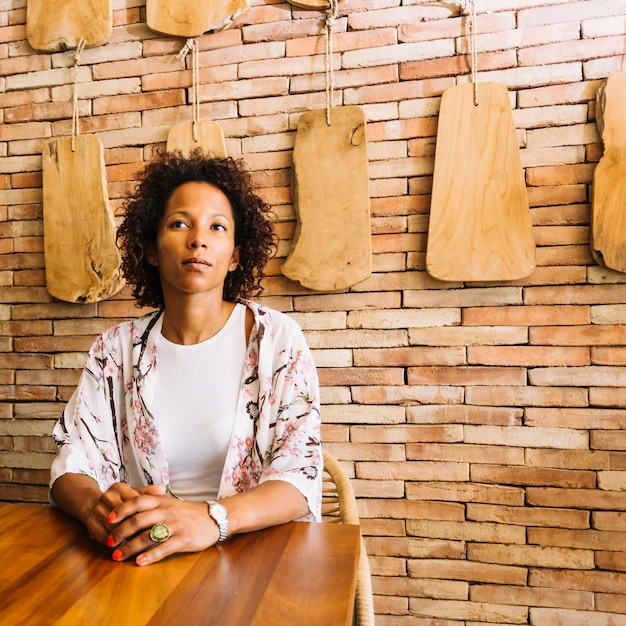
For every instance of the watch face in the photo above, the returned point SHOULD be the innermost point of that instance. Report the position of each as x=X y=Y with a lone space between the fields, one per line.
x=220 y=515
x=220 y=512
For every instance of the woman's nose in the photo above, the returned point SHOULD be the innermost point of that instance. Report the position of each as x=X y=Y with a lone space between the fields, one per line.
x=198 y=239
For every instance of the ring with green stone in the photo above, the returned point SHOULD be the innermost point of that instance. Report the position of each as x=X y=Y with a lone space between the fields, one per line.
x=159 y=532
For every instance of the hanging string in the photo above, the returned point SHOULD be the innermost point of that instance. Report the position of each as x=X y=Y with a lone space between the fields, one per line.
x=473 y=51
x=79 y=50
x=469 y=6
x=191 y=45
x=331 y=16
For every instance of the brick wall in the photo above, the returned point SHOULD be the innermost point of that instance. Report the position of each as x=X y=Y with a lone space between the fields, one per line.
x=482 y=423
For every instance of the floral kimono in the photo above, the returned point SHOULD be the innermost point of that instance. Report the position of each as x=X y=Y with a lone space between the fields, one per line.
x=108 y=432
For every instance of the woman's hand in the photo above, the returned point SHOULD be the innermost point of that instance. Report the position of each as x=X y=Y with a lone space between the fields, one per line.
x=96 y=517
x=123 y=516
x=79 y=495
x=190 y=526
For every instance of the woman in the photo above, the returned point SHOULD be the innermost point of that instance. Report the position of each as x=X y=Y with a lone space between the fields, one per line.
x=200 y=420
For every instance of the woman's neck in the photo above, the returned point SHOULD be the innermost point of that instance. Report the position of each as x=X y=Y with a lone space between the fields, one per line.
x=188 y=325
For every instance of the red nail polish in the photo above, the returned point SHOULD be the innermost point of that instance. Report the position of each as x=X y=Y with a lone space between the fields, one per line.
x=117 y=555
x=112 y=517
x=110 y=542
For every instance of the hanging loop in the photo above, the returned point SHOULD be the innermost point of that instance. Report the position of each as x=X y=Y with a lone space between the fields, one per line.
x=469 y=7
x=191 y=45
x=79 y=51
x=329 y=21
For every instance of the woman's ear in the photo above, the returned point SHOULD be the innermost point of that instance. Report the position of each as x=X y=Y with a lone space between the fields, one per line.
x=234 y=261
x=151 y=256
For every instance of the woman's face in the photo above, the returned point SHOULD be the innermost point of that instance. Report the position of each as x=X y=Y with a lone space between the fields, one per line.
x=195 y=245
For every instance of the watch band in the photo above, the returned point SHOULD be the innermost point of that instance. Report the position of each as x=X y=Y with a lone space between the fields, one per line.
x=219 y=514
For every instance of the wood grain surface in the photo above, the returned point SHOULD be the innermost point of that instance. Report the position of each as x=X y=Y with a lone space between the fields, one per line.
x=81 y=256
x=317 y=5
x=209 y=138
x=53 y=25
x=480 y=226
x=608 y=191
x=191 y=19
x=332 y=246
x=296 y=574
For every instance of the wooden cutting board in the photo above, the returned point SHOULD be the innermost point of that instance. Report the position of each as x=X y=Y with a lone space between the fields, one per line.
x=480 y=226
x=317 y=5
x=330 y=187
x=191 y=19
x=81 y=256
x=608 y=192
x=209 y=135
x=53 y=25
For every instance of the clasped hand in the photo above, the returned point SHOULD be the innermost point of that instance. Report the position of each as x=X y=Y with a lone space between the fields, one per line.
x=123 y=516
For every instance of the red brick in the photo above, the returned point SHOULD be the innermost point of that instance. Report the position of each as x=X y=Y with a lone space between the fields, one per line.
x=590 y=539
x=464 y=414
x=512 y=475
x=466 y=492
x=528 y=516
x=456 y=65
x=528 y=356
x=576 y=459
x=607 y=440
x=466 y=376
x=615 y=561
x=535 y=596
x=466 y=570
x=577 y=498
x=583 y=49
x=578 y=335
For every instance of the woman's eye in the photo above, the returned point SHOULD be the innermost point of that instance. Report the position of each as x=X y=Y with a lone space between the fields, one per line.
x=178 y=224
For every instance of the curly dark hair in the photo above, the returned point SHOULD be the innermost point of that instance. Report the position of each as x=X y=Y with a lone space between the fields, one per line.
x=146 y=206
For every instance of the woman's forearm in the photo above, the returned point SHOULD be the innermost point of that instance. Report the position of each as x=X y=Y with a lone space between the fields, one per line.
x=269 y=504
x=76 y=495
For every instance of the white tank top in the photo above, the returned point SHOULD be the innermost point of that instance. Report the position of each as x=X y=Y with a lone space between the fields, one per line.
x=197 y=390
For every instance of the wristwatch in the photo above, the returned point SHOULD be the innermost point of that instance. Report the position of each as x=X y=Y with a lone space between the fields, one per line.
x=220 y=517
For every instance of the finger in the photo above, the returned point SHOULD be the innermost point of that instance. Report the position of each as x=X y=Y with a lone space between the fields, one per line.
x=142 y=545
x=155 y=555
x=118 y=493
x=132 y=506
x=152 y=490
x=131 y=524
x=126 y=492
x=112 y=498
x=98 y=531
x=97 y=521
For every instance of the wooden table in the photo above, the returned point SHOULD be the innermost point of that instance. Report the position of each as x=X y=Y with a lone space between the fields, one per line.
x=297 y=573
